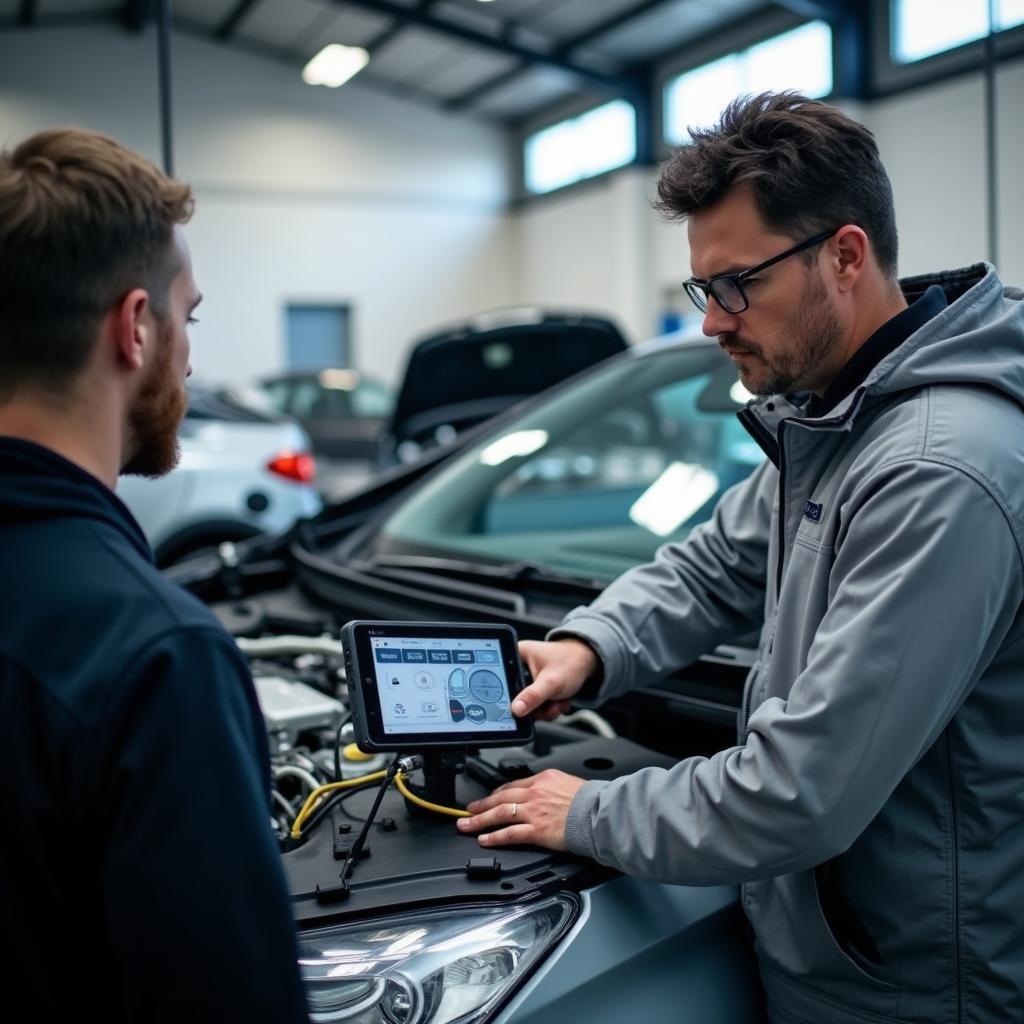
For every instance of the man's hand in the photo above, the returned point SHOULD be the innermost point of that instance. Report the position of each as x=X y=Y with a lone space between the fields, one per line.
x=559 y=669
x=529 y=810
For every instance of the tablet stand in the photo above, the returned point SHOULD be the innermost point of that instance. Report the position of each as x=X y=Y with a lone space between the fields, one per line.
x=439 y=770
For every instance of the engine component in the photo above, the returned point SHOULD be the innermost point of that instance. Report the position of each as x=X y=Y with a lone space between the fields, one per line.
x=290 y=708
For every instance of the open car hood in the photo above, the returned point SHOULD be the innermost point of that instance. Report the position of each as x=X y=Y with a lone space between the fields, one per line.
x=466 y=374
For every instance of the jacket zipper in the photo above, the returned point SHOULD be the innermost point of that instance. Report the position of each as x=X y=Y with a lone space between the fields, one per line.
x=955 y=829
x=748 y=695
x=825 y=424
x=782 y=514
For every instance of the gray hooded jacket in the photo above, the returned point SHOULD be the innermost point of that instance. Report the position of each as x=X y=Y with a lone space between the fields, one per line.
x=874 y=807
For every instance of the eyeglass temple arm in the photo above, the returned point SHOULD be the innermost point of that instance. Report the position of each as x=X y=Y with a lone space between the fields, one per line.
x=809 y=244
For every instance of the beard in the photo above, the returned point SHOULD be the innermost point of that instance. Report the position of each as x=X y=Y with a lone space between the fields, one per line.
x=155 y=415
x=814 y=335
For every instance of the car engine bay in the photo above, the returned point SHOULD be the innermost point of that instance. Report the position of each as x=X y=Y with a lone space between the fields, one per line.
x=411 y=857
x=426 y=926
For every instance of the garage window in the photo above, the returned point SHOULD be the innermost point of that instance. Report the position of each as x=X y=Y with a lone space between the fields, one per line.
x=800 y=59
x=920 y=29
x=581 y=147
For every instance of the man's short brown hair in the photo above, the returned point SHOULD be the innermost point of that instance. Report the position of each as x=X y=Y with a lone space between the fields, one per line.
x=809 y=166
x=83 y=221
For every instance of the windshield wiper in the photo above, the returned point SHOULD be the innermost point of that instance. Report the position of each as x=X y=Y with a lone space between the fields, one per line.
x=518 y=571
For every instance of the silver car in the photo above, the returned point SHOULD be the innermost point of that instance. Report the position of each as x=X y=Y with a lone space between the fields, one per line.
x=244 y=470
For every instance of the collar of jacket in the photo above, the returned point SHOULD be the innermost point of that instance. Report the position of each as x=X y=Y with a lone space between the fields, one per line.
x=763 y=416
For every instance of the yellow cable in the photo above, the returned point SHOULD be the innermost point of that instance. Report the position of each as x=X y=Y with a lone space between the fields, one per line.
x=420 y=802
x=314 y=798
x=353 y=753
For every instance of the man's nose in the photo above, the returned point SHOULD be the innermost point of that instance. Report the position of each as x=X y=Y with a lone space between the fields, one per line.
x=717 y=321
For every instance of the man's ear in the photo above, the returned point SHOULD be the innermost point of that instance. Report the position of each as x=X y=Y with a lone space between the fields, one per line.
x=133 y=326
x=848 y=255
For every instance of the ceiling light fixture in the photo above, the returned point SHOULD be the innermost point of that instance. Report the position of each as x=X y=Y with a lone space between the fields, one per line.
x=334 y=65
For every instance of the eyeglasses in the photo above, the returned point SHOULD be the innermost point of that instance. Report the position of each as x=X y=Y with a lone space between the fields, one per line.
x=727 y=289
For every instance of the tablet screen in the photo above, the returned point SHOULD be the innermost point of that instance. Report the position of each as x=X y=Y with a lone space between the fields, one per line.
x=441 y=685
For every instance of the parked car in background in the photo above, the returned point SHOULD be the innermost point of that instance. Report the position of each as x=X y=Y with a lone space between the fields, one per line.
x=460 y=376
x=520 y=520
x=244 y=470
x=342 y=410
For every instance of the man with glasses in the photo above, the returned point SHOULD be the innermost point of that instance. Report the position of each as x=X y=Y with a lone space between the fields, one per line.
x=872 y=807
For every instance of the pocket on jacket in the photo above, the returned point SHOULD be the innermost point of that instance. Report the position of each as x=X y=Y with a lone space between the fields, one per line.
x=847 y=935
x=797 y=948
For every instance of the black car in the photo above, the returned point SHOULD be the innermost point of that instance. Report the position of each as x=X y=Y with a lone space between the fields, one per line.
x=460 y=376
x=342 y=410
x=530 y=515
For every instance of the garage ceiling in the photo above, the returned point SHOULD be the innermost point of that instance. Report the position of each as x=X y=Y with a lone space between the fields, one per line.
x=506 y=60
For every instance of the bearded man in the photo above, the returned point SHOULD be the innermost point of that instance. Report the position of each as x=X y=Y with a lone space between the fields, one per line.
x=872 y=808
x=139 y=879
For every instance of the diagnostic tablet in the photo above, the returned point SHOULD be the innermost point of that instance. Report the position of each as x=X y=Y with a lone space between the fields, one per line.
x=432 y=685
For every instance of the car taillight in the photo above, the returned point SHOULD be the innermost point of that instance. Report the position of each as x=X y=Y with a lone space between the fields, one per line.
x=299 y=466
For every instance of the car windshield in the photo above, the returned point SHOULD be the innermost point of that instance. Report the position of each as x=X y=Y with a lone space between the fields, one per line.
x=593 y=480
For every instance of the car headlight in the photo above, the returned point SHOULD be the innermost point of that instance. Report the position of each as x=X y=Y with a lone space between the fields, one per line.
x=434 y=967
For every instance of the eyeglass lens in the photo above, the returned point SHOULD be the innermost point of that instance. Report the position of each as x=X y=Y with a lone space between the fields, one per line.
x=726 y=291
x=729 y=294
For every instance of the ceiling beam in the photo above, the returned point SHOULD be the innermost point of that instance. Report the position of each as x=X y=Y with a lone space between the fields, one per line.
x=608 y=25
x=27 y=12
x=135 y=14
x=826 y=10
x=471 y=96
x=223 y=32
x=395 y=28
x=485 y=88
x=423 y=19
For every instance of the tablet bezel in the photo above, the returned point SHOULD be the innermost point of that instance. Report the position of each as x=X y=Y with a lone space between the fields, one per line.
x=364 y=695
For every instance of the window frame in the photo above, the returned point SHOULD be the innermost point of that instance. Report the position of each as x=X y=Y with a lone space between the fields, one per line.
x=761 y=31
x=742 y=35
x=559 y=115
x=744 y=32
x=880 y=78
x=889 y=77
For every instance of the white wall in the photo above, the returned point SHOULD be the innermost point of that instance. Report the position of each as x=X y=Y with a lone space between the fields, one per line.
x=932 y=142
x=590 y=248
x=303 y=194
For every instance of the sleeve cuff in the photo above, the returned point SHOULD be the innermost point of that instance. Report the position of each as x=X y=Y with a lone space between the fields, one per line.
x=617 y=668
x=579 y=829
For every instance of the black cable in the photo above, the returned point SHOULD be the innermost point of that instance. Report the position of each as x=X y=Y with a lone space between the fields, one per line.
x=356 y=848
x=336 y=799
x=340 y=804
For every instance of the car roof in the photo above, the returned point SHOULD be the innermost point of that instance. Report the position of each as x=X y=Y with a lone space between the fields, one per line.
x=228 y=405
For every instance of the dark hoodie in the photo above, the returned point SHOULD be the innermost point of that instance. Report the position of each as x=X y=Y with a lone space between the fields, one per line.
x=138 y=875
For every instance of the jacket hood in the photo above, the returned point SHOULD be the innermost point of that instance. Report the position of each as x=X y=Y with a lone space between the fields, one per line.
x=37 y=484
x=977 y=339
